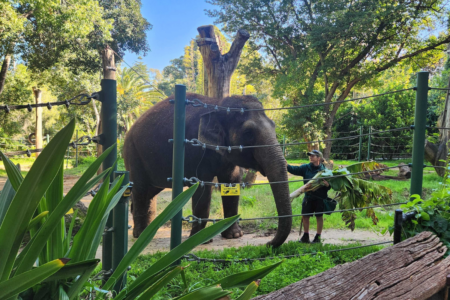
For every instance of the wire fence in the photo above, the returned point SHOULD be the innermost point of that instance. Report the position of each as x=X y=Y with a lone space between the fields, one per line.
x=194 y=219
x=193 y=257
x=77 y=100
x=199 y=103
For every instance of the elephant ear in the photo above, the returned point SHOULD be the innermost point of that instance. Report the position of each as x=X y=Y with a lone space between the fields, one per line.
x=210 y=130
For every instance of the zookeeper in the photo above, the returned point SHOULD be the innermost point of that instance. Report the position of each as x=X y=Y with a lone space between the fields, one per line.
x=313 y=201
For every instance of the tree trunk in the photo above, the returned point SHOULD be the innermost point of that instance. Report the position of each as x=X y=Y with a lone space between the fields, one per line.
x=3 y=71
x=38 y=129
x=218 y=67
x=435 y=153
x=109 y=72
x=412 y=269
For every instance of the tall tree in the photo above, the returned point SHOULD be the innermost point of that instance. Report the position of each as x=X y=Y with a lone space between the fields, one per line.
x=43 y=34
x=318 y=51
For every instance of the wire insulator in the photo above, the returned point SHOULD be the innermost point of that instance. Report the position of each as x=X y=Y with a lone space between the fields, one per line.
x=49 y=106
x=29 y=108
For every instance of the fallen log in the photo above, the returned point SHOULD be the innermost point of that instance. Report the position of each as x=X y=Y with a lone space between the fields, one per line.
x=412 y=269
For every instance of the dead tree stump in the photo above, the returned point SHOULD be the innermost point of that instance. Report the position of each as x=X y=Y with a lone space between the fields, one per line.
x=413 y=269
x=404 y=171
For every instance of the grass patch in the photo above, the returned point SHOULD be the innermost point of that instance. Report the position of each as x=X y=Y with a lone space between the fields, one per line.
x=200 y=274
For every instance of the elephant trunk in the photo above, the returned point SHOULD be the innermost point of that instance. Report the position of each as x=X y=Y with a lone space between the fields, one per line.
x=273 y=164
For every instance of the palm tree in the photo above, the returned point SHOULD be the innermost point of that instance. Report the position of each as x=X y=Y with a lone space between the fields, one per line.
x=135 y=94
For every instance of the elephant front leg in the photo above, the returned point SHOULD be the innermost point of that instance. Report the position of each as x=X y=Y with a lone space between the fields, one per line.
x=143 y=207
x=230 y=204
x=201 y=204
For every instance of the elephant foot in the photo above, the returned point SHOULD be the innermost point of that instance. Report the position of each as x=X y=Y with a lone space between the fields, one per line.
x=233 y=232
x=137 y=232
x=208 y=242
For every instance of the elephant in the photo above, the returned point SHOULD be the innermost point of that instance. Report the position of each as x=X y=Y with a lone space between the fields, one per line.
x=148 y=157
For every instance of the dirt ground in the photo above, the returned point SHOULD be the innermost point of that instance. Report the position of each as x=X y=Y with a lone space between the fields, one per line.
x=161 y=241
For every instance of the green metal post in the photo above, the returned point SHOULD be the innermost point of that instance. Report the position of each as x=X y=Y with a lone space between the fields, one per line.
x=420 y=120
x=178 y=159
x=360 y=143
x=369 y=141
x=108 y=97
x=120 y=225
x=76 y=153
x=284 y=146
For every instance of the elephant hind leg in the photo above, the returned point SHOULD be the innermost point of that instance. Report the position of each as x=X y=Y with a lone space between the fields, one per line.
x=143 y=206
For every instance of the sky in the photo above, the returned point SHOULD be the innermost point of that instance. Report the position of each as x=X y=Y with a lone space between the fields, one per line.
x=174 y=23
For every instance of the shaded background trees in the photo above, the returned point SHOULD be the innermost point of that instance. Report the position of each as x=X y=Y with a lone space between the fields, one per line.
x=318 y=51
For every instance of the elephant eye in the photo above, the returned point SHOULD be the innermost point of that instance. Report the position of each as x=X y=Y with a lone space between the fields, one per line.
x=248 y=135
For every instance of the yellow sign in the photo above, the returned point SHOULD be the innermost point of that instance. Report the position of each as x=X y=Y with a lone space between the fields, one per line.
x=230 y=190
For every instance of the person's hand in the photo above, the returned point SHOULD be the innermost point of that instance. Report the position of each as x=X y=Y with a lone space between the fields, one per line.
x=325 y=183
x=305 y=187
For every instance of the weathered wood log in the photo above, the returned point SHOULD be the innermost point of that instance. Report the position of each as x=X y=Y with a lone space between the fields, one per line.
x=412 y=269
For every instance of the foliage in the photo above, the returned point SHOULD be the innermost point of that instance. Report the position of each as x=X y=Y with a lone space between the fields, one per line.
x=432 y=214
x=200 y=274
x=318 y=51
x=36 y=204
x=134 y=95
x=429 y=215
x=354 y=192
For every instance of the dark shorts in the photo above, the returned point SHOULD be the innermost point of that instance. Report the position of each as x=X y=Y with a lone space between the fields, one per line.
x=312 y=205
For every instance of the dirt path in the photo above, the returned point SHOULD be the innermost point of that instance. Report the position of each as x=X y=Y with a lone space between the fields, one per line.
x=161 y=241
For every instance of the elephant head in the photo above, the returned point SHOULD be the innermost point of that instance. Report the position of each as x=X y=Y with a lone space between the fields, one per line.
x=251 y=128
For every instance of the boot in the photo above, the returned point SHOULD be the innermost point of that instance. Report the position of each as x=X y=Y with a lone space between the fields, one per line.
x=316 y=239
x=305 y=238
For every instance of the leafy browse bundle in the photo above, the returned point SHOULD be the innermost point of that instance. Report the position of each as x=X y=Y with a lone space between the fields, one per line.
x=353 y=191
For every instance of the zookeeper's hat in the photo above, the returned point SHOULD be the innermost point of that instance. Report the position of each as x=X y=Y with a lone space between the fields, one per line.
x=316 y=153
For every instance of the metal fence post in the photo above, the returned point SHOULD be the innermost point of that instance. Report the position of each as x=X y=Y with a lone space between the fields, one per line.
x=420 y=120
x=120 y=225
x=108 y=97
x=398 y=224
x=360 y=143
x=179 y=122
x=369 y=141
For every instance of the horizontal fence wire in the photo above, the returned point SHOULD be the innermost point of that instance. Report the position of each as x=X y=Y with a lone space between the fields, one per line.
x=389 y=146
x=194 y=219
x=193 y=257
x=439 y=89
x=390 y=153
x=194 y=180
x=198 y=143
x=199 y=103
x=49 y=105
x=341 y=132
x=73 y=144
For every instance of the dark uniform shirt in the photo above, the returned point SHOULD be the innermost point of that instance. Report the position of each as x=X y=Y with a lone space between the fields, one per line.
x=308 y=171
